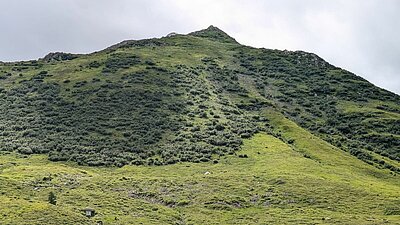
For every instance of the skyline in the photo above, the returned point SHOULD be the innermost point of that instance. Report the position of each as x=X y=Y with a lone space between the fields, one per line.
x=358 y=36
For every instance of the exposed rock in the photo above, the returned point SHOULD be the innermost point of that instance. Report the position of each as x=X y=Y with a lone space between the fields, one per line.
x=172 y=34
x=59 y=56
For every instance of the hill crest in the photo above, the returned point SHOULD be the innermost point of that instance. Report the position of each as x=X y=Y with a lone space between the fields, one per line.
x=187 y=98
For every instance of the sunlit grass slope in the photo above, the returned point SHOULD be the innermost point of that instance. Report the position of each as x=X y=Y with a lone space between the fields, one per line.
x=307 y=182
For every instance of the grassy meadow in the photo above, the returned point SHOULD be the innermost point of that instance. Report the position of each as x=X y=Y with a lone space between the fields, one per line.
x=307 y=182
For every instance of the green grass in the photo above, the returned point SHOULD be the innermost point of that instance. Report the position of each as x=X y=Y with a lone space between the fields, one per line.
x=199 y=79
x=370 y=107
x=297 y=170
x=276 y=184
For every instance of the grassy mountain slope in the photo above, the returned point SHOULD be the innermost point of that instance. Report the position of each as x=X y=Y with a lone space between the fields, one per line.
x=276 y=184
x=186 y=98
x=286 y=137
x=131 y=104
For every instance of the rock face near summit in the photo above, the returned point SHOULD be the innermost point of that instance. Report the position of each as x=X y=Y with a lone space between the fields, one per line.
x=187 y=98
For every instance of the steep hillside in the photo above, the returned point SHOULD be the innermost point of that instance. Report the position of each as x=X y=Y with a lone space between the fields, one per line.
x=187 y=98
x=195 y=129
x=274 y=184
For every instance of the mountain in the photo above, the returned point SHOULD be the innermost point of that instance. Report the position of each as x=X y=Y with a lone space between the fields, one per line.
x=186 y=98
x=259 y=129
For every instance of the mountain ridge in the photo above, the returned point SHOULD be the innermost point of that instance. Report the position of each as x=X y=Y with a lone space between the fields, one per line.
x=200 y=73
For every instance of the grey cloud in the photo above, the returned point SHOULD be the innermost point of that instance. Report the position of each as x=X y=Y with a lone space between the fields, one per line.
x=359 y=35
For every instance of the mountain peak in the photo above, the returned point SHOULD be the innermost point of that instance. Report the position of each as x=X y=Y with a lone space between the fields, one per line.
x=214 y=33
x=214 y=29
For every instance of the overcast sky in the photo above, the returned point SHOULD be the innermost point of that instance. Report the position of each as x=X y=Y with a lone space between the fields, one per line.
x=362 y=36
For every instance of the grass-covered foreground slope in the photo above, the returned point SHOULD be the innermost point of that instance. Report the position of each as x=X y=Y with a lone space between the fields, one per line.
x=309 y=182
